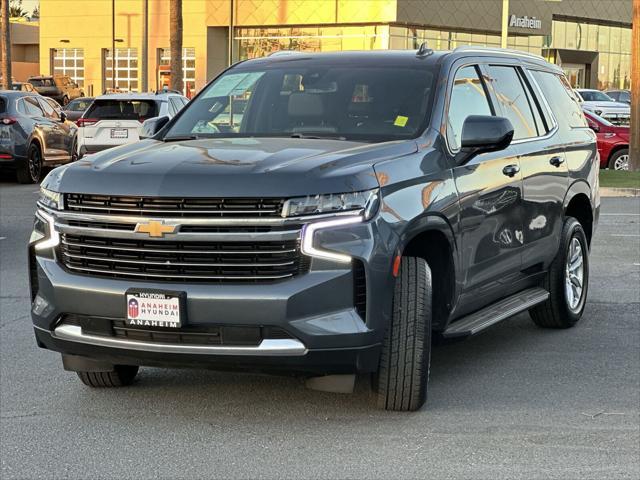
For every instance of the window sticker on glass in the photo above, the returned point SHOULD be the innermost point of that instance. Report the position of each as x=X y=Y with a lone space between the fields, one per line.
x=401 y=121
x=234 y=84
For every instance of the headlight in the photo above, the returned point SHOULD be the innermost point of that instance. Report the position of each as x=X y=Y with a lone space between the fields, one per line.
x=332 y=203
x=51 y=199
x=51 y=238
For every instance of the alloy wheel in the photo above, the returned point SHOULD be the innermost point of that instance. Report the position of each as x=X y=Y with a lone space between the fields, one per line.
x=574 y=274
x=35 y=164
x=621 y=163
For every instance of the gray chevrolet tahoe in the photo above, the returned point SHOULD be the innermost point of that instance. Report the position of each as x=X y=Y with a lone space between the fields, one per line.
x=325 y=215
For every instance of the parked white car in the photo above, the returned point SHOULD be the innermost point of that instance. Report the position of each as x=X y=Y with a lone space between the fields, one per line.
x=116 y=119
x=603 y=105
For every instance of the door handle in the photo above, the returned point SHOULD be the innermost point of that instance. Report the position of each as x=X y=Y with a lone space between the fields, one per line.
x=556 y=161
x=511 y=170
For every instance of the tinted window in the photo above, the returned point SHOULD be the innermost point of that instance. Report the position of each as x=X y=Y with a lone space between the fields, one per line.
x=21 y=107
x=122 y=109
x=625 y=97
x=78 y=105
x=3 y=105
x=41 y=82
x=513 y=101
x=33 y=108
x=467 y=98
x=49 y=110
x=561 y=99
x=594 y=96
x=318 y=101
x=177 y=104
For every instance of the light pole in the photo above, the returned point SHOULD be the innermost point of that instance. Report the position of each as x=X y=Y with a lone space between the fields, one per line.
x=113 y=44
x=145 y=46
x=504 y=33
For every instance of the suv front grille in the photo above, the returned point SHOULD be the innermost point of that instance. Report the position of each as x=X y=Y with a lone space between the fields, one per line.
x=159 y=260
x=158 y=207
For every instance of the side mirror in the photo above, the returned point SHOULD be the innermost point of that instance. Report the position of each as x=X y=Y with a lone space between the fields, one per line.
x=63 y=116
x=151 y=126
x=594 y=126
x=483 y=133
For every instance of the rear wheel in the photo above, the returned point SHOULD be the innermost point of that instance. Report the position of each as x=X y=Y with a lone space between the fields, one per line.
x=74 y=149
x=619 y=160
x=121 y=376
x=567 y=280
x=406 y=352
x=31 y=170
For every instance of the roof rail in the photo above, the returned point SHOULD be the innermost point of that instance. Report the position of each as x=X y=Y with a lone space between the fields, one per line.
x=499 y=51
x=167 y=90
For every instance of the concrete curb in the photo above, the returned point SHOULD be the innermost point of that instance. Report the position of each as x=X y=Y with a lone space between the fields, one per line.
x=619 y=192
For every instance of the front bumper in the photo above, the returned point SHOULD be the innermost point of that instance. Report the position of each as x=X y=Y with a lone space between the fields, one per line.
x=317 y=310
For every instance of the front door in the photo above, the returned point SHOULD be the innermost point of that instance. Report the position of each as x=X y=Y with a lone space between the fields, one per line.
x=490 y=195
x=575 y=74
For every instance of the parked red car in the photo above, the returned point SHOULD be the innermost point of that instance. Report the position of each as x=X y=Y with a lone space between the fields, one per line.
x=613 y=142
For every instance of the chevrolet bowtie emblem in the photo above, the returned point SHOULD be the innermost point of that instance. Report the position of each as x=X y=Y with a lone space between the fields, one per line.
x=155 y=228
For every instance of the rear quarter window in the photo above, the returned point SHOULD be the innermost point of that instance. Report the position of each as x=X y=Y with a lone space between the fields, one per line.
x=123 y=109
x=3 y=105
x=559 y=96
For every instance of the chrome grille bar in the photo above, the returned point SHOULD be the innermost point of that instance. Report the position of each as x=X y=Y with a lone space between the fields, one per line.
x=169 y=263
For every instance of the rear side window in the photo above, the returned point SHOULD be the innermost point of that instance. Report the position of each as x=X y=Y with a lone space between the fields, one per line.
x=32 y=107
x=122 y=110
x=3 y=105
x=41 y=82
x=176 y=103
x=515 y=103
x=467 y=98
x=560 y=98
x=79 y=105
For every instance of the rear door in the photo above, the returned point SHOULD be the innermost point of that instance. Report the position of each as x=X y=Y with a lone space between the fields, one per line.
x=545 y=175
x=111 y=122
x=63 y=129
x=490 y=195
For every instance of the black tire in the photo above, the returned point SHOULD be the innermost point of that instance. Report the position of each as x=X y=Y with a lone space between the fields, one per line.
x=74 y=150
x=31 y=170
x=556 y=312
x=403 y=374
x=617 y=158
x=122 y=376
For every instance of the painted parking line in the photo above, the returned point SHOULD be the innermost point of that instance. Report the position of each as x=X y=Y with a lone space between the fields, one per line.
x=622 y=214
x=3 y=238
x=624 y=234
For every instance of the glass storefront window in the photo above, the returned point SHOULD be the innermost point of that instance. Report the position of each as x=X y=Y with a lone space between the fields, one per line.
x=69 y=61
x=126 y=71
x=188 y=70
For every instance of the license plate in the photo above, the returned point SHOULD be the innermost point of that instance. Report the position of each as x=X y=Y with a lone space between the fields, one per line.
x=154 y=309
x=119 y=133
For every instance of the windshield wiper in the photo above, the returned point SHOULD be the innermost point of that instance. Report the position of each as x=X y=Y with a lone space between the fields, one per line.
x=315 y=137
x=177 y=138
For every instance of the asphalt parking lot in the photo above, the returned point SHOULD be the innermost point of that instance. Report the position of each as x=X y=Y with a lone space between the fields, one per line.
x=515 y=402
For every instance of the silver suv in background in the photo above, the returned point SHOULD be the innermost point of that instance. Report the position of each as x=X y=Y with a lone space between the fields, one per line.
x=603 y=105
x=116 y=119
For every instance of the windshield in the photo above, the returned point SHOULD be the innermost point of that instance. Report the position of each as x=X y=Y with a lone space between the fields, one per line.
x=79 y=105
x=41 y=82
x=122 y=110
x=595 y=96
x=369 y=103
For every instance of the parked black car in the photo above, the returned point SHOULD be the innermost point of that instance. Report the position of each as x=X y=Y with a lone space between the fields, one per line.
x=59 y=87
x=75 y=108
x=34 y=134
x=362 y=202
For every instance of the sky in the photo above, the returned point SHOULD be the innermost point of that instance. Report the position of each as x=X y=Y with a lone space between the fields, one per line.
x=29 y=5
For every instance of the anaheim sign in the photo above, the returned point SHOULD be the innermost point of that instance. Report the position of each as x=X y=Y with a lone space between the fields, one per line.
x=525 y=22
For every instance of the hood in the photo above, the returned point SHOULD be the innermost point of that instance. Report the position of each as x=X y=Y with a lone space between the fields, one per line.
x=607 y=106
x=240 y=167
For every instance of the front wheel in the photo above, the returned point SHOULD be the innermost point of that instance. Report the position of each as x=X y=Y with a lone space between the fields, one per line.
x=619 y=160
x=121 y=376
x=566 y=281
x=403 y=374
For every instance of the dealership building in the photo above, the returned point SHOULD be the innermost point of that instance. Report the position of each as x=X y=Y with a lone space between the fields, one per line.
x=589 y=39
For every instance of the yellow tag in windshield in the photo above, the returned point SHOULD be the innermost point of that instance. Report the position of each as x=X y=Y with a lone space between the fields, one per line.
x=401 y=121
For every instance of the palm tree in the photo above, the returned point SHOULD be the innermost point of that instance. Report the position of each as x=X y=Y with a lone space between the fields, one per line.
x=15 y=9
x=5 y=72
x=175 y=43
